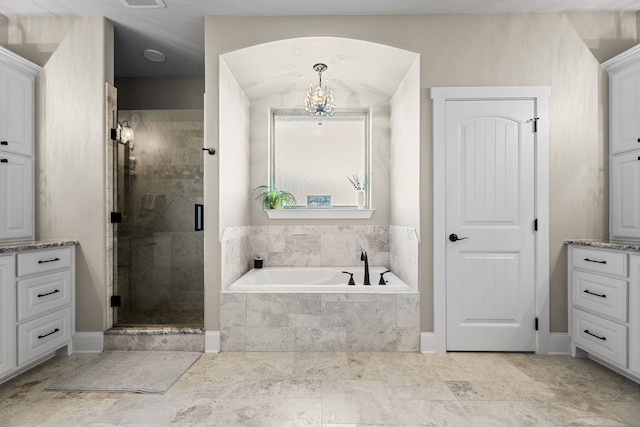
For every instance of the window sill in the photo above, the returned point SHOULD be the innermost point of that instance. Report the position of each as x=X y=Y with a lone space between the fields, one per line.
x=320 y=213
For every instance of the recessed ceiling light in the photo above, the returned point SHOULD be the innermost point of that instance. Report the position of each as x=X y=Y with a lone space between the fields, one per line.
x=153 y=55
x=149 y=4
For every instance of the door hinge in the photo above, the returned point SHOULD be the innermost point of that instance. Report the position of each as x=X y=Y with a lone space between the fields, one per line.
x=116 y=301
x=535 y=124
x=114 y=134
x=536 y=322
x=535 y=224
x=116 y=217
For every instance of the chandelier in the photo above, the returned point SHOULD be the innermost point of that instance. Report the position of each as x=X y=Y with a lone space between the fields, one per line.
x=319 y=101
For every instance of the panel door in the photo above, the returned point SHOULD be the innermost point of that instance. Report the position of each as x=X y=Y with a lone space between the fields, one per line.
x=16 y=197
x=490 y=207
x=7 y=315
x=16 y=111
x=625 y=196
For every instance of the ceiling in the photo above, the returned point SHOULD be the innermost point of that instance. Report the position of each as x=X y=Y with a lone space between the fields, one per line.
x=178 y=29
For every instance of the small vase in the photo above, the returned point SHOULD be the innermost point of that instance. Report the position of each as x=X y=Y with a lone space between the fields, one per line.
x=360 y=199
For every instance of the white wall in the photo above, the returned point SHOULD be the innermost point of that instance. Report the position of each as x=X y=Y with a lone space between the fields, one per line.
x=234 y=152
x=71 y=186
x=404 y=197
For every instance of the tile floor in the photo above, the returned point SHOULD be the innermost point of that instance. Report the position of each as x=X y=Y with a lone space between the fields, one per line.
x=340 y=390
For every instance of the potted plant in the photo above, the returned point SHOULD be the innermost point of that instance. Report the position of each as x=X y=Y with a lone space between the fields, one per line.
x=272 y=198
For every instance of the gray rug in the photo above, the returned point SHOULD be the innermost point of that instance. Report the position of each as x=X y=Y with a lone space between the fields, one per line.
x=128 y=372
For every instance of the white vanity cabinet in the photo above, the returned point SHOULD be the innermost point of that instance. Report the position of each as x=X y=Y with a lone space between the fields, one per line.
x=7 y=315
x=604 y=304
x=37 y=317
x=634 y=314
x=17 y=77
x=624 y=144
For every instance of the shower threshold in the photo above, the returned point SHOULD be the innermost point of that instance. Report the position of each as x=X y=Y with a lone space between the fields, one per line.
x=154 y=337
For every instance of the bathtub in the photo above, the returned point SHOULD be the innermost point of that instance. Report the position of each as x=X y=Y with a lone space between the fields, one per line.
x=316 y=279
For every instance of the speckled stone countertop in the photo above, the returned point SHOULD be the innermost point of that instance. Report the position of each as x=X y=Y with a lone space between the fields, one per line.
x=10 y=247
x=604 y=244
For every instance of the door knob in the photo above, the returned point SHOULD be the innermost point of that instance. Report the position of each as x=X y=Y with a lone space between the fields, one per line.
x=454 y=237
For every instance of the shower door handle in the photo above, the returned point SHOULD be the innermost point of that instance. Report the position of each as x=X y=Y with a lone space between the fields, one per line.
x=199 y=219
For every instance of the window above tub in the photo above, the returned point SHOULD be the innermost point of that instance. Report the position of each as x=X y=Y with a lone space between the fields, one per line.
x=319 y=163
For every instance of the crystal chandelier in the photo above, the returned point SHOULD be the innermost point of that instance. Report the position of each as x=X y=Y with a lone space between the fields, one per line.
x=319 y=101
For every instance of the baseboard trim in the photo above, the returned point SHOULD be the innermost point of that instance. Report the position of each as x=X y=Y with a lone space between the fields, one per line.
x=559 y=344
x=88 y=342
x=428 y=343
x=212 y=341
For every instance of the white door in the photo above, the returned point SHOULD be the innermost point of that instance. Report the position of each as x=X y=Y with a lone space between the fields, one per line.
x=490 y=205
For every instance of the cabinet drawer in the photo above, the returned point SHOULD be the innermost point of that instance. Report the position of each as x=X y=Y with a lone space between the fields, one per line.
x=603 y=338
x=42 y=294
x=43 y=261
x=614 y=263
x=600 y=295
x=43 y=335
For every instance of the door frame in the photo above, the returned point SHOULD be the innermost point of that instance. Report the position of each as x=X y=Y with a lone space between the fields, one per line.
x=540 y=95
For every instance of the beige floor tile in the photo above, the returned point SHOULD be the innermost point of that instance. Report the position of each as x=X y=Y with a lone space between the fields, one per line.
x=341 y=390
x=504 y=413
x=628 y=412
x=321 y=366
x=430 y=413
x=351 y=401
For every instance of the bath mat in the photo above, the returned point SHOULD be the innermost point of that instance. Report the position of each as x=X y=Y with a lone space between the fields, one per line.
x=128 y=372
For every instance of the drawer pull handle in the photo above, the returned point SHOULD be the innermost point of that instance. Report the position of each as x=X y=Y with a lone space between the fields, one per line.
x=593 y=260
x=48 y=260
x=587 y=291
x=4 y=160
x=50 y=333
x=586 y=331
x=55 y=292
x=7 y=143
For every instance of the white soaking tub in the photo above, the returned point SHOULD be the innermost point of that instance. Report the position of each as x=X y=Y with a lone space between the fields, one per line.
x=317 y=279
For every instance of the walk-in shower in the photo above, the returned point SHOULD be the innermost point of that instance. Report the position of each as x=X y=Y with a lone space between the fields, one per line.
x=158 y=264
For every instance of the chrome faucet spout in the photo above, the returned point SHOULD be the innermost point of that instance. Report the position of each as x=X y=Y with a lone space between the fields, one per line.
x=363 y=257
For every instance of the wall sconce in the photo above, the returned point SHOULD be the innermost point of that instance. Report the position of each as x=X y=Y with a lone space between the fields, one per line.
x=126 y=133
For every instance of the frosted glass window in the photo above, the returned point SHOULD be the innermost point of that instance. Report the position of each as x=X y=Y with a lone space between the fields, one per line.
x=308 y=159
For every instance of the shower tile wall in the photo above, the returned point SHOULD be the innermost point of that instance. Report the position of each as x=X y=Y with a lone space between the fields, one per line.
x=160 y=256
x=320 y=245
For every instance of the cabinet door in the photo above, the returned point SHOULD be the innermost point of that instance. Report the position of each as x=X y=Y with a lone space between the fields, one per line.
x=16 y=197
x=16 y=111
x=634 y=314
x=625 y=109
x=625 y=196
x=7 y=315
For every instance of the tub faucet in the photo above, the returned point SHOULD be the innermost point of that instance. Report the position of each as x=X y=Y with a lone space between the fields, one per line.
x=363 y=257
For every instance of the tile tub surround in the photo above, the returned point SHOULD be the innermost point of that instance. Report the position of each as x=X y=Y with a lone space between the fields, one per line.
x=252 y=321
x=320 y=245
x=341 y=389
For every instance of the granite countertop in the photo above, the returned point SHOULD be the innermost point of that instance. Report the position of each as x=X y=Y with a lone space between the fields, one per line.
x=604 y=244
x=11 y=247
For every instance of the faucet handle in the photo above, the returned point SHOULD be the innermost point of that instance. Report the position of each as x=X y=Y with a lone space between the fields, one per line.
x=382 y=281
x=351 y=281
